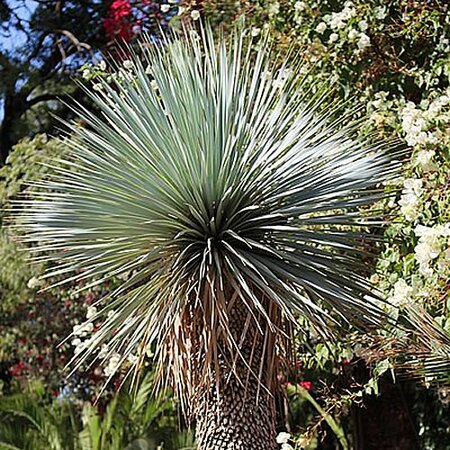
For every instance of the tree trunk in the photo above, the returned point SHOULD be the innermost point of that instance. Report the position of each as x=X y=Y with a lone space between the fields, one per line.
x=14 y=107
x=238 y=411
x=384 y=422
x=238 y=420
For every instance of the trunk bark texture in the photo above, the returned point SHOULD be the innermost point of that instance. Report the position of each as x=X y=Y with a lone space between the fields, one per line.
x=385 y=421
x=238 y=411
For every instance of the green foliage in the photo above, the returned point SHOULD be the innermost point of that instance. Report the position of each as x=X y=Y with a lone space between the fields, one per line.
x=33 y=323
x=28 y=422
x=24 y=166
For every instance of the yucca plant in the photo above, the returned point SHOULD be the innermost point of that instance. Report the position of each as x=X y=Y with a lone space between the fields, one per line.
x=231 y=197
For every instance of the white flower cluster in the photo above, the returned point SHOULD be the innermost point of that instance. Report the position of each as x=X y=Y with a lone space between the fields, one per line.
x=414 y=126
x=402 y=294
x=113 y=364
x=424 y=159
x=300 y=6
x=434 y=110
x=91 y=312
x=114 y=361
x=274 y=9
x=283 y=439
x=410 y=199
x=83 y=329
x=195 y=14
x=33 y=283
x=80 y=345
x=429 y=246
x=417 y=120
x=363 y=41
x=338 y=20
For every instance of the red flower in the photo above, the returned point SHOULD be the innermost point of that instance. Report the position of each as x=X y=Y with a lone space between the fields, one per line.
x=118 y=29
x=118 y=25
x=119 y=9
x=306 y=385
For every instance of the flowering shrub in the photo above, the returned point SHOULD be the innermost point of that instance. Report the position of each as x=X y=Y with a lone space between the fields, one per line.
x=34 y=323
x=128 y=18
x=392 y=57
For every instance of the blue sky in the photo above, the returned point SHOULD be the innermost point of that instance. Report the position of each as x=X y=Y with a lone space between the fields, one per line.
x=23 y=9
x=16 y=38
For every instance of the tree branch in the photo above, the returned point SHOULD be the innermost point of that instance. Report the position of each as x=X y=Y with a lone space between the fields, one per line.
x=45 y=98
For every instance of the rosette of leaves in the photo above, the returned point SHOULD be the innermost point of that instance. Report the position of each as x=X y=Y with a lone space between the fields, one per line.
x=230 y=198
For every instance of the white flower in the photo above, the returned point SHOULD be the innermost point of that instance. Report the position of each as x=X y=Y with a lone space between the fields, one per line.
x=274 y=9
x=424 y=158
x=97 y=86
x=413 y=185
x=86 y=74
x=79 y=345
x=33 y=283
x=165 y=8
x=444 y=261
x=102 y=65
x=348 y=12
x=83 y=329
x=333 y=38
x=353 y=34
x=76 y=342
x=321 y=27
x=283 y=437
x=113 y=365
x=414 y=125
x=255 y=31
x=429 y=245
x=409 y=206
x=380 y=12
x=364 y=41
x=181 y=10
x=363 y=25
x=127 y=64
x=339 y=19
x=424 y=253
x=91 y=311
x=195 y=14
x=154 y=85
x=402 y=293
x=300 y=6
x=286 y=447
x=431 y=234
x=103 y=351
x=409 y=201
x=336 y=21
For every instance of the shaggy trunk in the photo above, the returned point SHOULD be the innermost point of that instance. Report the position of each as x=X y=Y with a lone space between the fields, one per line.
x=238 y=411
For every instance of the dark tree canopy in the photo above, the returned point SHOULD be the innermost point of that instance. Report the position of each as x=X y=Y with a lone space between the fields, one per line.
x=42 y=44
